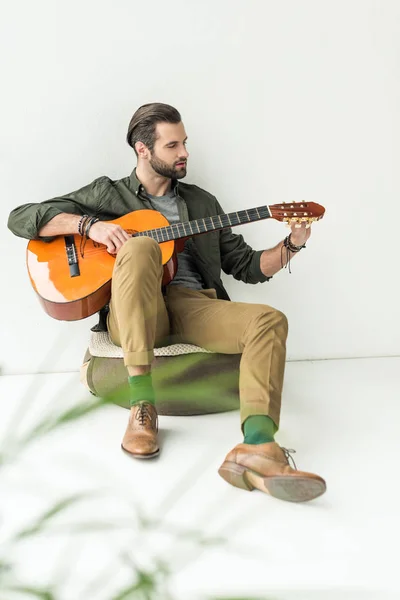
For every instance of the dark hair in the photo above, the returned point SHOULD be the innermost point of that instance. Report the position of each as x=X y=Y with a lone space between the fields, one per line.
x=142 y=126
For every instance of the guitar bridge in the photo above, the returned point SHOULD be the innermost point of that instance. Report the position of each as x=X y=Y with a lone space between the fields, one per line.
x=72 y=256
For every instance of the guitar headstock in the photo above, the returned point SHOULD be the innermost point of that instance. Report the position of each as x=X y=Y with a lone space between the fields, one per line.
x=297 y=212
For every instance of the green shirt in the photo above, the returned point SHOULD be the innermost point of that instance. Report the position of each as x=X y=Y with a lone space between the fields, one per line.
x=110 y=199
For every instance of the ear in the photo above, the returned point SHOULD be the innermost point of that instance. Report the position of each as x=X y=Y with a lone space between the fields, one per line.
x=142 y=150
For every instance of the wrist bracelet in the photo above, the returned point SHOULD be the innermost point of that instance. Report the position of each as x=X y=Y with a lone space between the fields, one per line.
x=84 y=227
x=91 y=222
x=287 y=242
x=82 y=219
x=290 y=247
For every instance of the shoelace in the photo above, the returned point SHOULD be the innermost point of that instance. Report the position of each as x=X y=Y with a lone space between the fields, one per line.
x=144 y=413
x=288 y=455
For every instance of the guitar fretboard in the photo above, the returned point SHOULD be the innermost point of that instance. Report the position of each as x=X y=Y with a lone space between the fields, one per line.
x=188 y=228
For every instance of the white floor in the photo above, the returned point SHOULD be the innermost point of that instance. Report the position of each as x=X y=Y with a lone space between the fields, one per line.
x=342 y=417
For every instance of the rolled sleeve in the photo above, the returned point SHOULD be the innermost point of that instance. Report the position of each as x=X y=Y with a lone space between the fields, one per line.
x=28 y=219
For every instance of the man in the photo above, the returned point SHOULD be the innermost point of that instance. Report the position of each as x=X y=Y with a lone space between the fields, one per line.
x=194 y=307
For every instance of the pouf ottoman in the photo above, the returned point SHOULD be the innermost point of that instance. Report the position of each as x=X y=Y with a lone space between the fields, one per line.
x=187 y=379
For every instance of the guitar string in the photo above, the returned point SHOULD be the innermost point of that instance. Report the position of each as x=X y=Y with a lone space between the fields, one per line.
x=195 y=223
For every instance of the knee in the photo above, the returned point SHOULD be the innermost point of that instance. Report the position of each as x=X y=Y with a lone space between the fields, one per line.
x=275 y=318
x=281 y=320
x=142 y=246
x=140 y=254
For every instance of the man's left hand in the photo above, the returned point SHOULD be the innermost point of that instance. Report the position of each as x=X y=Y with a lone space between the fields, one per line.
x=299 y=234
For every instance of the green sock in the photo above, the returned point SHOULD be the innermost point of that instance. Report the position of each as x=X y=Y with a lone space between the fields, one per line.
x=259 y=429
x=141 y=389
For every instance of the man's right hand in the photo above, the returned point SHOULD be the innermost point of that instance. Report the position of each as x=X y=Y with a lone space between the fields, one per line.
x=109 y=234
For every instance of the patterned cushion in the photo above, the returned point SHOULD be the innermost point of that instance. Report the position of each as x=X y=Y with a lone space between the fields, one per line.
x=101 y=345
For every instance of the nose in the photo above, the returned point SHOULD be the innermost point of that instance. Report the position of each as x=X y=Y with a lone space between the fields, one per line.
x=184 y=153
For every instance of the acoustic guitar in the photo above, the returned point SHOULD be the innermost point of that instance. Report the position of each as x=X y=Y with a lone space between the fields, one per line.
x=73 y=285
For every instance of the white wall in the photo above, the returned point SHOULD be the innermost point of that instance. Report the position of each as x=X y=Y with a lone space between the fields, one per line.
x=281 y=101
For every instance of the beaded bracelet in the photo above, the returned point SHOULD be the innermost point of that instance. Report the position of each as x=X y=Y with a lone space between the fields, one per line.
x=290 y=247
x=88 y=225
x=287 y=242
x=84 y=226
x=82 y=219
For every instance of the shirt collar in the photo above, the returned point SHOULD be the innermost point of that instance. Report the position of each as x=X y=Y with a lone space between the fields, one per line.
x=138 y=187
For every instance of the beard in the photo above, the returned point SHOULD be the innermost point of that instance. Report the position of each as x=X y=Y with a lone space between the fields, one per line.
x=165 y=170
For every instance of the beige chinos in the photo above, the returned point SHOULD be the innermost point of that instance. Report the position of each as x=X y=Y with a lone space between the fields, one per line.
x=141 y=318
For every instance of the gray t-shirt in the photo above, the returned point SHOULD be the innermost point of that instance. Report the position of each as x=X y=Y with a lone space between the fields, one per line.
x=187 y=274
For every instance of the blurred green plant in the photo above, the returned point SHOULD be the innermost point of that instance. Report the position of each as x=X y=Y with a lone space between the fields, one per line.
x=145 y=584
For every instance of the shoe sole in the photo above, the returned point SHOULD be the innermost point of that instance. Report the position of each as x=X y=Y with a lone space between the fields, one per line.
x=289 y=488
x=141 y=455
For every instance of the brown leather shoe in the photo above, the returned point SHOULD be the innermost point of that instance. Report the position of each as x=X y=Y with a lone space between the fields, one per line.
x=140 y=439
x=266 y=467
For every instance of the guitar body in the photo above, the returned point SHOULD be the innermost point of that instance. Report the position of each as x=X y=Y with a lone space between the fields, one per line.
x=69 y=298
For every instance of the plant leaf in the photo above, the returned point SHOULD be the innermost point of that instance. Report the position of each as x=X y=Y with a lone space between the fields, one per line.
x=41 y=522
x=145 y=584
x=41 y=593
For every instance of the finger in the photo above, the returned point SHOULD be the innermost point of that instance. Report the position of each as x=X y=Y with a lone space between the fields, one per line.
x=124 y=234
x=117 y=242
x=111 y=247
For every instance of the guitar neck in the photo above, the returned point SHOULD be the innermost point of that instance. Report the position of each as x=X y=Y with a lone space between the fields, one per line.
x=197 y=226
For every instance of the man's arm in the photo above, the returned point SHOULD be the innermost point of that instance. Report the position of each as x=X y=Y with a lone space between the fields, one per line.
x=255 y=266
x=109 y=234
x=273 y=260
x=30 y=220
x=61 y=216
x=238 y=258
x=61 y=224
